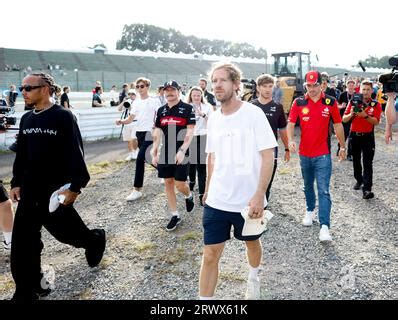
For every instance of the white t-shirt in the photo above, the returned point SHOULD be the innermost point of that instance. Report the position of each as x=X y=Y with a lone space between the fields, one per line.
x=201 y=123
x=236 y=140
x=145 y=112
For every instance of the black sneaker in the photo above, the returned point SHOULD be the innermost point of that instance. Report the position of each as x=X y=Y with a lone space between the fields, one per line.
x=189 y=204
x=96 y=248
x=349 y=157
x=368 y=194
x=174 y=222
x=357 y=186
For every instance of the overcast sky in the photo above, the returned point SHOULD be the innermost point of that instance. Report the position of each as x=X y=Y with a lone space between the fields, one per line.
x=340 y=32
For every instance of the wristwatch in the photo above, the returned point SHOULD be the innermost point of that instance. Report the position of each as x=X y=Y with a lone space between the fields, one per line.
x=182 y=150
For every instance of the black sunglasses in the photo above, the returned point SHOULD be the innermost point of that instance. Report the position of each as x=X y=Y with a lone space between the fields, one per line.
x=29 y=88
x=140 y=86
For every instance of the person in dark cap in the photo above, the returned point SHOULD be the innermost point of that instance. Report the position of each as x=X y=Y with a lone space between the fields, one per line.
x=315 y=110
x=176 y=121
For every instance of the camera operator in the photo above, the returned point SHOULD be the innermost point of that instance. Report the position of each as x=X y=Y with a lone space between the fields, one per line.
x=365 y=115
x=49 y=155
x=129 y=129
x=391 y=115
x=6 y=212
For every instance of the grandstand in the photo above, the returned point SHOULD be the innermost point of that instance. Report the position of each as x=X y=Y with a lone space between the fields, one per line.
x=80 y=70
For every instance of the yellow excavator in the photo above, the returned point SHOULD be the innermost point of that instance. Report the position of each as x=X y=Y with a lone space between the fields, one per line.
x=290 y=68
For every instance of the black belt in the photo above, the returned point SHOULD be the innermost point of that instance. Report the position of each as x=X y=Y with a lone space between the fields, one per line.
x=360 y=134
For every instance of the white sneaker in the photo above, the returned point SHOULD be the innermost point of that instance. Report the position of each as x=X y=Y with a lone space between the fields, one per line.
x=161 y=180
x=308 y=218
x=324 y=234
x=253 y=289
x=134 y=154
x=129 y=157
x=134 y=195
x=6 y=245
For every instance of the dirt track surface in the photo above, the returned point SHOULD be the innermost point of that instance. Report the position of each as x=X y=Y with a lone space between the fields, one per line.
x=143 y=261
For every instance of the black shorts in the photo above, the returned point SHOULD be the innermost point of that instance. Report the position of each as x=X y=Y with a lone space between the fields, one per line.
x=178 y=172
x=3 y=193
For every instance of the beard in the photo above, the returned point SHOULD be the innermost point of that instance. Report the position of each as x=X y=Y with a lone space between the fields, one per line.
x=226 y=97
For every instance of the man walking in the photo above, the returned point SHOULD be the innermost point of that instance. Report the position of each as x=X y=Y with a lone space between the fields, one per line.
x=240 y=148
x=49 y=155
x=176 y=120
x=315 y=110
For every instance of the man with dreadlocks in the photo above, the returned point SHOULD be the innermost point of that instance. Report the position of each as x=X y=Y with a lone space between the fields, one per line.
x=49 y=155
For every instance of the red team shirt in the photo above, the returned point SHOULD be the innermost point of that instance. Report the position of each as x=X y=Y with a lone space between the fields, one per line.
x=360 y=124
x=314 y=123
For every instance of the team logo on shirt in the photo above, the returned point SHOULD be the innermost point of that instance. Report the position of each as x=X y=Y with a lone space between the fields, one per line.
x=325 y=112
x=327 y=101
x=305 y=111
x=306 y=119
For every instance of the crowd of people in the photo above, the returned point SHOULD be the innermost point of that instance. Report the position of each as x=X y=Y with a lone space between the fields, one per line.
x=184 y=135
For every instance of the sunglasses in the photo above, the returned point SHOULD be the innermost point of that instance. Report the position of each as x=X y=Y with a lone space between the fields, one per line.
x=142 y=86
x=29 y=88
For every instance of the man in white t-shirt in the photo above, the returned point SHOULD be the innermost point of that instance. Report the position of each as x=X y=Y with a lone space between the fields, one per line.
x=240 y=146
x=143 y=111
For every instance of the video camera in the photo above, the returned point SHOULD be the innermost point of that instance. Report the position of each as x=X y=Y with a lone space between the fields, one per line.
x=390 y=80
x=249 y=89
x=6 y=121
x=127 y=104
x=357 y=102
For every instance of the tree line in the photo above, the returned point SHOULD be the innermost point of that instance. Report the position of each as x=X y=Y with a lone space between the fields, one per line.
x=149 y=37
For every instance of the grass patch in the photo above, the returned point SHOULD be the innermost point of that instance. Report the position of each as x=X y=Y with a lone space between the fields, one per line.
x=6 y=284
x=86 y=294
x=231 y=276
x=144 y=246
x=283 y=171
x=190 y=236
x=175 y=256
x=105 y=167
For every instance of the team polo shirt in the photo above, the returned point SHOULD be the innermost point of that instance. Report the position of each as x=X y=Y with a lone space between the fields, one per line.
x=275 y=115
x=314 y=122
x=360 y=124
x=172 y=121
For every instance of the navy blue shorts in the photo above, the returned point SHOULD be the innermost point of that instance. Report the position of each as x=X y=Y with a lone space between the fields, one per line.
x=3 y=193
x=217 y=226
x=178 y=172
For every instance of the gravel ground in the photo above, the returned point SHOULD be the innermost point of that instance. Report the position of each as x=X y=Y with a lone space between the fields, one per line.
x=144 y=261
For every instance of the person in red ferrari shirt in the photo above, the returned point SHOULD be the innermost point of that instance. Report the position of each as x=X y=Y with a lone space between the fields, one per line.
x=315 y=110
x=365 y=115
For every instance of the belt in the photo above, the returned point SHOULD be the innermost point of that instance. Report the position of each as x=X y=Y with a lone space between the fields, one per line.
x=360 y=134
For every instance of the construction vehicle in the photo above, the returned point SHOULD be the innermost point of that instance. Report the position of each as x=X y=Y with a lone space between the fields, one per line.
x=290 y=68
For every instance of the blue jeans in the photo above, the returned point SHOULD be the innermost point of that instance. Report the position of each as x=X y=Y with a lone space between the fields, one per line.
x=319 y=168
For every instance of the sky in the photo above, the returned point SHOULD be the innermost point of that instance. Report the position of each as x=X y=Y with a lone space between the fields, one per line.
x=339 y=32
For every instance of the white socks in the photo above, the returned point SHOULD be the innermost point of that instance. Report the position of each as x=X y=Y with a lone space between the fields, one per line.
x=175 y=213
x=7 y=237
x=206 y=298
x=189 y=196
x=253 y=273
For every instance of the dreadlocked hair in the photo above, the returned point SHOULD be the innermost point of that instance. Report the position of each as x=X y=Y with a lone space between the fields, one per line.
x=48 y=80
